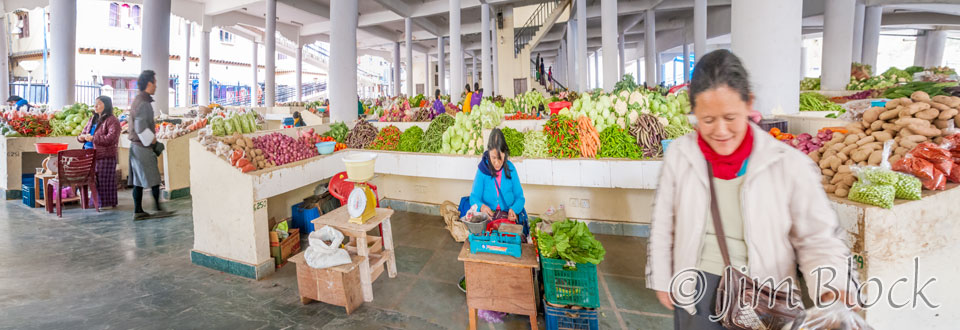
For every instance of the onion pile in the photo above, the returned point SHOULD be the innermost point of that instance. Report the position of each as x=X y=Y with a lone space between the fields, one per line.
x=283 y=149
x=807 y=143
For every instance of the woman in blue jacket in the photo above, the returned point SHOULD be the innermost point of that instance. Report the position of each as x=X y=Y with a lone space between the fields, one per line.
x=496 y=187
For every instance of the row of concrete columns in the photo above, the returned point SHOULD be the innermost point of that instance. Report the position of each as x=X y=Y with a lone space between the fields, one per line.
x=155 y=52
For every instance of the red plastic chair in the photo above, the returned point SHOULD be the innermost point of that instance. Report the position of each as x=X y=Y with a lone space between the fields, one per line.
x=340 y=188
x=76 y=168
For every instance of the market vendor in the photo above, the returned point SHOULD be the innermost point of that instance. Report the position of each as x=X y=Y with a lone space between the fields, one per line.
x=477 y=96
x=468 y=97
x=730 y=196
x=297 y=120
x=438 y=107
x=496 y=188
x=18 y=102
x=103 y=134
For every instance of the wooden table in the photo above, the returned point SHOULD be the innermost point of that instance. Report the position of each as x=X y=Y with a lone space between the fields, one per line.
x=373 y=267
x=501 y=283
x=38 y=187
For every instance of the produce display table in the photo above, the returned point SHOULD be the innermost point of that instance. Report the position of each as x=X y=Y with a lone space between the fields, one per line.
x=885 y=244
x=174 y=164
x=18 y=155
x=39 y=183
x=373 y=266
x=501 y=283
x=811 y=122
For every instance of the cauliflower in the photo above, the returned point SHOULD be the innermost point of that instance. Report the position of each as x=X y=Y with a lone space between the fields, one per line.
x=663 y=121
x=637 y=98
x=634 y=117
x=624 y=94
x=622 y=123
x=621 y=108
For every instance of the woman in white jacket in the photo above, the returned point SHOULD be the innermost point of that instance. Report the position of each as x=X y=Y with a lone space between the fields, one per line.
x=773 y=210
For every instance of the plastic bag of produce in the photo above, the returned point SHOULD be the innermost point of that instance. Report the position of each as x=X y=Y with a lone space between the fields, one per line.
x=322 y=254
x=932 y=178
x=833 y=316
x=875 y=174
x=873 y=194
x=907 y=187
x=940 y=158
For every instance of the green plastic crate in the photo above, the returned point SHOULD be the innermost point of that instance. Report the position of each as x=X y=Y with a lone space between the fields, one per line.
x=570 y=286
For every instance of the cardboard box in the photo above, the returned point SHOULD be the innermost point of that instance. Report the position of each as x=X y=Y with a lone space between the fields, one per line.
x=281 y=251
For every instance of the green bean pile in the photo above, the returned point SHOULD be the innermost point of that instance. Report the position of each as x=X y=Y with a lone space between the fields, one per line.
x=615 y=142
x=514 y=141
x=410 y=139
x=433 y=138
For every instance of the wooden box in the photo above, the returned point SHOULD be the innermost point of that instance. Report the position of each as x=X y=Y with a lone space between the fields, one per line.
x=338 y=285
x=281 y=251
x=374 y=245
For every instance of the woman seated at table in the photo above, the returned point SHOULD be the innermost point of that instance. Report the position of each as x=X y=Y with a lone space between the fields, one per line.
x=496 y=188
x=103 y=134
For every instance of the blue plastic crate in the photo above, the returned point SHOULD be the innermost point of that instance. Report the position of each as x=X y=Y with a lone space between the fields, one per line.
x=303 y=219
x=570 y=319
x=27 y=194
x=27 y=178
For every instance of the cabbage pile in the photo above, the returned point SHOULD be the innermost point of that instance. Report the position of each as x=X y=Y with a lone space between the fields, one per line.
x=71 y=120
x=490 y=114
x=463 y=138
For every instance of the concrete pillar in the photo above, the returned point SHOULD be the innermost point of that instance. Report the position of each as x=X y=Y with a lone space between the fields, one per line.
x=581 y=26
x=473 y=67
x=639 y=77
x=803 y=62
x=408 y=42
x=456 y=53
x=920 y=53
x=572 y=56
x=343 y=61
x=203 y=87
x=155 y=49
x=686 y=61
x=270 y=43
x=596 y=69
x=298 y=71
x=496 y=65
x=185 y=85
x=871 y=35
x=650 y=47
x=623 y=58
x=486 y=76
x=4 y=60
x=255 y=84
x=63 y=51
x=441 y=66
x=699 y=29
x=757 y=24
x=608 y=28
x=837 y=44
x=858 y=31
x=427 y=91
x=936 y=42
x=396 y=68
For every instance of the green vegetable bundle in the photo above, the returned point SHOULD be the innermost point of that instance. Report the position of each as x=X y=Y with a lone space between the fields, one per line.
x=71 y=120
x=535 y=144
x=514 y=141
x=810 y=84
x=463 y=138
x=931 y=88
x=627 y=83
x=563 y=139
x=813 y=101
x=338 y=131
x=676 y=131
x=570 y=241
x=616 y=142
x=387 y=139
x=410 y=139
x=432 y=139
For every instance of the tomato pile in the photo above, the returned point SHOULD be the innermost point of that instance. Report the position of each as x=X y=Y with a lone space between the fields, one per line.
x=522 y=116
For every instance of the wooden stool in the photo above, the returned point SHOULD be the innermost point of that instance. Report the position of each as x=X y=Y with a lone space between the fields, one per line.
x=339 y=285
x=375 y=262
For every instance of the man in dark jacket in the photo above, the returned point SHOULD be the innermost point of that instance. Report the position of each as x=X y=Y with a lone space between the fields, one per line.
x=144 y=170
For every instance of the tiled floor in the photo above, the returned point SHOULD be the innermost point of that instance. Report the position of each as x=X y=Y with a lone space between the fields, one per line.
x=104 y=271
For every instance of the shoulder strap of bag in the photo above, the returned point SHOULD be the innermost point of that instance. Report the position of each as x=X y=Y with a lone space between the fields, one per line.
x=717 y=224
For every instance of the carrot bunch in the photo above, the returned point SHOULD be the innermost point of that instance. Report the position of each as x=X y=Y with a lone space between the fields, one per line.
x=589 y=138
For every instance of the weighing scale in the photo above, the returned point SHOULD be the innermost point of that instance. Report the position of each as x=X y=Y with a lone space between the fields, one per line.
x=362 y=203
x=505 y=240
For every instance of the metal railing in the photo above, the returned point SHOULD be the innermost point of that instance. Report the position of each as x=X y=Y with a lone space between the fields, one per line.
x=525 y=34
x=533 y=74
x=38 y=92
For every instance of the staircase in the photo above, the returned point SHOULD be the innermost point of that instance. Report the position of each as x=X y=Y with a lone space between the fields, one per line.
x=527 y=37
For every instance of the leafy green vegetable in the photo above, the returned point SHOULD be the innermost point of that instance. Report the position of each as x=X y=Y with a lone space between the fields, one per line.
x=627 y=83
x=514 y=141
x=570 y=241
x=535 y=144
x=931 y=88
x=338 y=131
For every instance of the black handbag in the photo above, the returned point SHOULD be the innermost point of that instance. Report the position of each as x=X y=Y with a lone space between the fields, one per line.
x=158 y=148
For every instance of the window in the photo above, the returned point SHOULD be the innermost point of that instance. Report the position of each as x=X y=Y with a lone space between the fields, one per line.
x=23 y=23
x=135 y=15
x=226 y=37
x=281 y=56
x=114 y=17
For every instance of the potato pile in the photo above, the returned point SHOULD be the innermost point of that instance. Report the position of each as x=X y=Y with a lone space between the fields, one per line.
x=254 y=157
x=906 y=121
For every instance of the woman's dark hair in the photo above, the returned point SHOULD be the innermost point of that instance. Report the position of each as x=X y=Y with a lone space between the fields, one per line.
x=499 y=142
x=13 y=98
x=107 y=108
x=720 y=68
x=146 y=77
x=296 y=114
x=476 y=86
x=437 y=93
x=467 y=88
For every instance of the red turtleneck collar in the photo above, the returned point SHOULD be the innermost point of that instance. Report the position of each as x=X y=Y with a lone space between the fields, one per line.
x=727 y=167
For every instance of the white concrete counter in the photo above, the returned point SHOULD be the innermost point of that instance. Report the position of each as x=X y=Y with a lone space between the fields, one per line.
x=18 y=156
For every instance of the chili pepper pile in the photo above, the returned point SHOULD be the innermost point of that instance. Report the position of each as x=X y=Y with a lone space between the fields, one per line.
x=410 y=139
x=615 y=142
x=648 y=132
x=563 y=140
x=522 y=116
x=388 y=139
x=30 y=126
